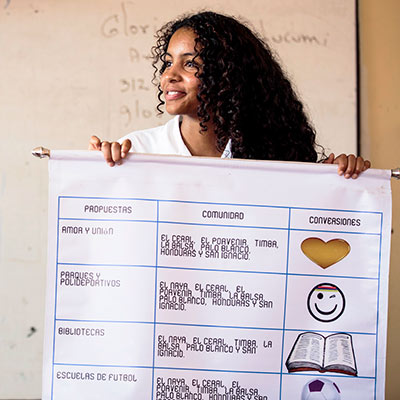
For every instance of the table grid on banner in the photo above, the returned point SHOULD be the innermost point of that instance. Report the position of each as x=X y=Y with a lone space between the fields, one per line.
x=172 y=263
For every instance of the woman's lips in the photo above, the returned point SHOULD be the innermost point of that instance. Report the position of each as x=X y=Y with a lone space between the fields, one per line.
x=174 y=94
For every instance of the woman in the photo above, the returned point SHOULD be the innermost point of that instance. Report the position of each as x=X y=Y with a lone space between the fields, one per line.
x=230 y=96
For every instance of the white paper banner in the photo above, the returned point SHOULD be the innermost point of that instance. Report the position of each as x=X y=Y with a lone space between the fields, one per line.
x=196 y=278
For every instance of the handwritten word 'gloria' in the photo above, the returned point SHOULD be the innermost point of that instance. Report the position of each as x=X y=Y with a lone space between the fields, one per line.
x=134 y=111
x=120 y=24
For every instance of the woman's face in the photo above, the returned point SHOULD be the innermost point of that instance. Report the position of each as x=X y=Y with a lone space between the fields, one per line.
x=178 y=81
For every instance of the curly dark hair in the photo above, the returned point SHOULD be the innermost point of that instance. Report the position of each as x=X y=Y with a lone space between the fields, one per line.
x=243 y=90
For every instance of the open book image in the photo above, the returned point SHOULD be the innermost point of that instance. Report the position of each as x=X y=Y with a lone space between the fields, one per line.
x=314 y=352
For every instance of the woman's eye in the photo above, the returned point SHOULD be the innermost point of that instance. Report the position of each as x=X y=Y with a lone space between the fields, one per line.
x=191 y=64
x=166 y=63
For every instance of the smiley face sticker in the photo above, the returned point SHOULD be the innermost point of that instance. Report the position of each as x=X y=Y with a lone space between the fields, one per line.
x=326 y=302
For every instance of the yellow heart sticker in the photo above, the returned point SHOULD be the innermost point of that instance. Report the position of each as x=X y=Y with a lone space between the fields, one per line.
x=323 y=253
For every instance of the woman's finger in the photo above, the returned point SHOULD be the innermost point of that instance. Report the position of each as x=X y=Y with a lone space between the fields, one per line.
x=125 y=147
x=116 y=152
x=106 y=150
x=94 y=143
x=358 y=167
x=367 y=164
x=351 y=166
x=341 y=162
x=330 y=159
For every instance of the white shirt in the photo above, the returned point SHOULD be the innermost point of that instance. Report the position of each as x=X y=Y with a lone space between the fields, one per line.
x=165 y=139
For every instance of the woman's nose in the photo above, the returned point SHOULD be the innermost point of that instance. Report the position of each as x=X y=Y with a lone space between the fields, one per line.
x=172 y=73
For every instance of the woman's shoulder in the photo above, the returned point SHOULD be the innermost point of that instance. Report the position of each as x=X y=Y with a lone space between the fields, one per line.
x=149 y=133
x=164 y=139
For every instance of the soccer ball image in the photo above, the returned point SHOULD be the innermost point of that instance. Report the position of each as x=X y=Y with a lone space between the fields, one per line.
x=320 y=389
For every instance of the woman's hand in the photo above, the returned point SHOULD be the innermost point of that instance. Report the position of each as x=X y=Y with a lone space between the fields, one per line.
x=113 y=152
x=350 y=166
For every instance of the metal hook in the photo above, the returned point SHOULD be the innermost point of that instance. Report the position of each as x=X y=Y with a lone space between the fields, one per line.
x=41 y=152
x=396 y=173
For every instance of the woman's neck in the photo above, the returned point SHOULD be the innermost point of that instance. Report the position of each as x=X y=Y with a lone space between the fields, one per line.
x=199 y=143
